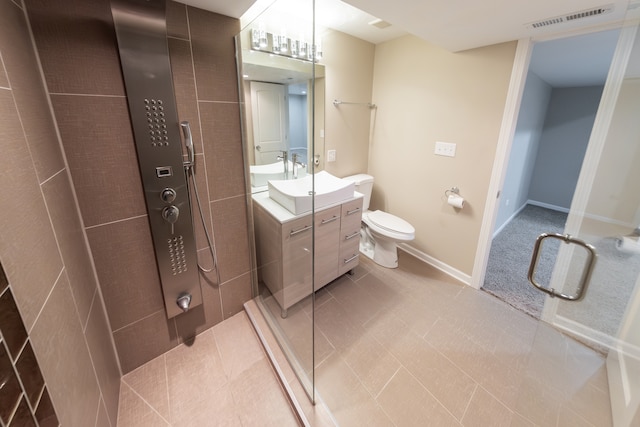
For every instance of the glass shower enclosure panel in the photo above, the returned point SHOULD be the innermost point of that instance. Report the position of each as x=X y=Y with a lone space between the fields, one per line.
x=584 y=362
x=277 y=77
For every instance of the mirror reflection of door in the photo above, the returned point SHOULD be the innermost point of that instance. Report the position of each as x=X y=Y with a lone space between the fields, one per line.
x=270 y=121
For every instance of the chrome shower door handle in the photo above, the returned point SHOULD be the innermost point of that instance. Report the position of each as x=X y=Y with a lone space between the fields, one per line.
x=586 y=274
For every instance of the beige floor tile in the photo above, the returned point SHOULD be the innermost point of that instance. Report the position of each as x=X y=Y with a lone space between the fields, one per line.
x=336 y=325
x=445 y=381
x=149 y=381
x=195 y=374
x=359 y=306
x=349 y=401
x=256 y=398
x=408 y=403
x=537 y=402
x=485 y=410
x=238 y=345
x=568 y=418
x=135 y=412
x=371 y=362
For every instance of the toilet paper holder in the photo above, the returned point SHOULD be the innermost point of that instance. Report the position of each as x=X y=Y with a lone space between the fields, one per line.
x=452 y=190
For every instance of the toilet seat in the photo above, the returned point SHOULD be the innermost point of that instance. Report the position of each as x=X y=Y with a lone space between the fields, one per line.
x=389 y=225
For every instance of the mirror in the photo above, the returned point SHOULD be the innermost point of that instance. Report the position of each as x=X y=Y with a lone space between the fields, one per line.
x=278 y=79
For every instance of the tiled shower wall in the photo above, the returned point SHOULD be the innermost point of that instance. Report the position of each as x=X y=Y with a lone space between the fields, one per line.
x=43 y=248
x=77 y=46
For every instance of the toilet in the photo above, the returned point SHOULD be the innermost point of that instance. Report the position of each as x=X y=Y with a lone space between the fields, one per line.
x=380 y=231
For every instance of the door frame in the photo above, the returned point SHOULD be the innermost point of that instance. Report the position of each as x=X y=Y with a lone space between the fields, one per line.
x=517 y=82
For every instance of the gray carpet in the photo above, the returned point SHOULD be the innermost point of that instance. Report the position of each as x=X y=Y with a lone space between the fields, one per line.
x=510 y=256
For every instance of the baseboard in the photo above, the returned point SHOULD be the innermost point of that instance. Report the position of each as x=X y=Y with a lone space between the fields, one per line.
x=515 y=214
x=547 y=205
x=428 y=259
x=586 y=215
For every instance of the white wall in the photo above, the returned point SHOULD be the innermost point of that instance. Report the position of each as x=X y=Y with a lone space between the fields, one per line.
x=533 y=109
x=348 y=65
x=564 y=140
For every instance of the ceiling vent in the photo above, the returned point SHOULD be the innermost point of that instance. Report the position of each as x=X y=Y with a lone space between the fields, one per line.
x=571 y=17
x=379 y=23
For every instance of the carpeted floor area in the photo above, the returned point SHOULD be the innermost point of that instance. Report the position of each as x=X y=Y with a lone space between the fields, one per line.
x=510 y=256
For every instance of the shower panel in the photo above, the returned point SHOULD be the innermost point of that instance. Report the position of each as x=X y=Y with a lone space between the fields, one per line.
x=144 y=57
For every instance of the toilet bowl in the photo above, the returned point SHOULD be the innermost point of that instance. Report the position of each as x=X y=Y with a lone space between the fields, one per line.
x=380 y=231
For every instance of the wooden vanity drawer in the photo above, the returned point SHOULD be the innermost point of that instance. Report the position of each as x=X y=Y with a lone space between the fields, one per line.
x=327 y=240
x=351 y=214
x=349 y=254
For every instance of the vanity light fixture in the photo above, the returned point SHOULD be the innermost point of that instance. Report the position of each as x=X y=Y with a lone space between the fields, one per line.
x=282 y=45
x=264 y=42
x=303 y=49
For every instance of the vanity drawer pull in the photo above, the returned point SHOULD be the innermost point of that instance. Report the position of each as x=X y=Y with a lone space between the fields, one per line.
x=327 y=221
x=347 y=261
x=356 y=210
x=351 y=236
x=294 y=232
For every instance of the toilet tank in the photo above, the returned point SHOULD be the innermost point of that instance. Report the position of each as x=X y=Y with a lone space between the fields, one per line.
x=364 y=185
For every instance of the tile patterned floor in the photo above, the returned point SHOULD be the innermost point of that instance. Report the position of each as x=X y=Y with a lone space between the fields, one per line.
x=222 y=379
x=413 y=347
x=403 y=347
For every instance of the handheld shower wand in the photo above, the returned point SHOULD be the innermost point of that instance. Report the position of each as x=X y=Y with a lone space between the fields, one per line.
x=188 y=142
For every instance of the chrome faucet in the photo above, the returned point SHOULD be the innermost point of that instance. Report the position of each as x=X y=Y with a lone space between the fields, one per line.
x=294 y=160
x=285 y=159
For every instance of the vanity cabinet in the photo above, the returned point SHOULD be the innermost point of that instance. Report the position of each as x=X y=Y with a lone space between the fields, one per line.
x=284 y=243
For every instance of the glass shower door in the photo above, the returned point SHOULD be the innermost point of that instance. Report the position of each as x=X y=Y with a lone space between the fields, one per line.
x=584 y=363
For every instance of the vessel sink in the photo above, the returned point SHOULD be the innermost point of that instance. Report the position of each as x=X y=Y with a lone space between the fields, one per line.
x=261 y=174
x=295 y=194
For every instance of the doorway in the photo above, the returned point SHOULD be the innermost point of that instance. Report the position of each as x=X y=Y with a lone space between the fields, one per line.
x=604 y=215
x=561 y=96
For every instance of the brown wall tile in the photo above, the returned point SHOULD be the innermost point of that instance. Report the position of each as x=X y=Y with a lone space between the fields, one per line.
x=11 y=324
x=177 y=25
x=234 y=294
x=71 y=240
x=232 y=242
x=223 y=149
x=77 y=46
x=98 y=141
x=30 y=375
x=104 y=359
x=212 y=38
x=60 y=347
x=28 y=90
x=185 y=87
x=144 y=340
x=28 y=247
x=127 y=270
x=201 y=183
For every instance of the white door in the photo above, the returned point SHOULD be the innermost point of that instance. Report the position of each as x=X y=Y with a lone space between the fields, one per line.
x=270 y=121
x=597 y=384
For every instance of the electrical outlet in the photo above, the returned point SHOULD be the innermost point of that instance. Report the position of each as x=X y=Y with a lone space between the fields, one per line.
x=331 y=156
x=445 y=149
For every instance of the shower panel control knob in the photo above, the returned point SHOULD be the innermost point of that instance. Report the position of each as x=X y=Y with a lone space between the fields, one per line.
x=168 y=195
x=170 y=214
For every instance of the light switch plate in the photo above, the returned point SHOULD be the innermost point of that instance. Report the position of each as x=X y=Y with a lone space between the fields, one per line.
x=331 y=156
x=445 y=149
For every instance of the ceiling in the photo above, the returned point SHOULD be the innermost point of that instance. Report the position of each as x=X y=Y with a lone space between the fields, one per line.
x=457 y=25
